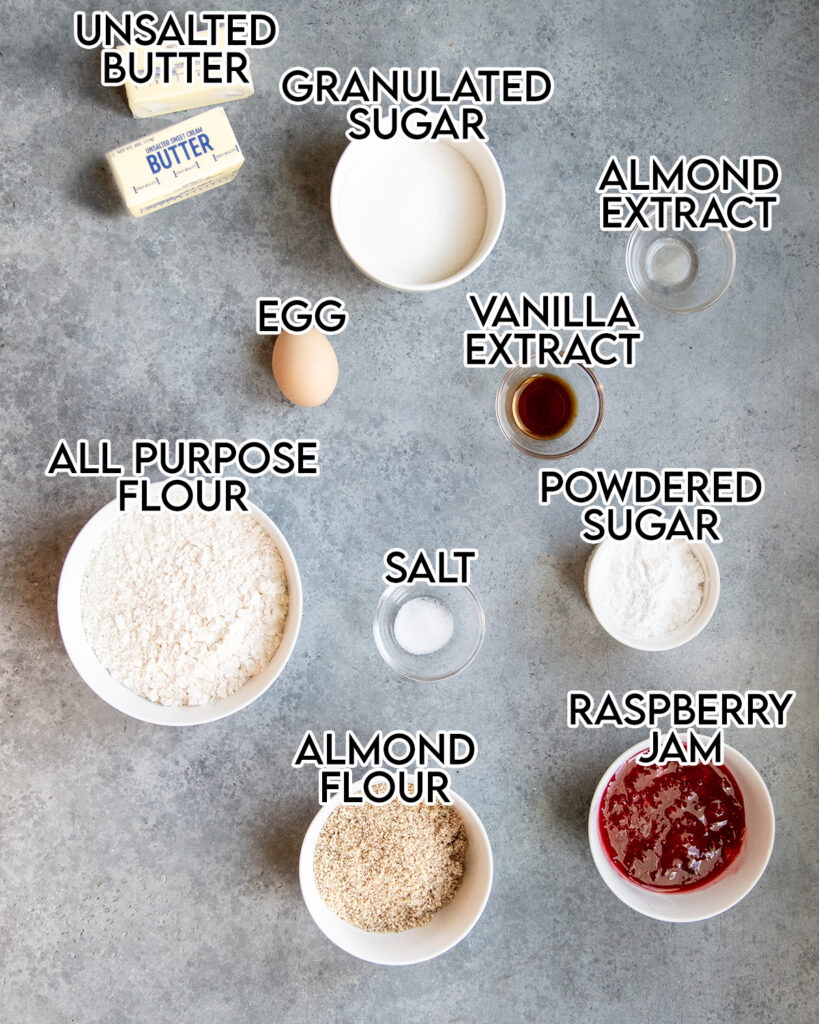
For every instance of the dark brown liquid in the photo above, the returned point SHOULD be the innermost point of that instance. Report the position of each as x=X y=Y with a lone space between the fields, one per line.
x=544 y=406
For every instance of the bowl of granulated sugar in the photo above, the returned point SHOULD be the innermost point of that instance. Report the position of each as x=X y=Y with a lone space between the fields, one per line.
x=417 y=216
x=652 y=595
x=396 y=883
x=179 y=618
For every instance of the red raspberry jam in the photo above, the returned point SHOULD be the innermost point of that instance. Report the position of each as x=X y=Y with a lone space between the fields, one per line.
x=673 y=826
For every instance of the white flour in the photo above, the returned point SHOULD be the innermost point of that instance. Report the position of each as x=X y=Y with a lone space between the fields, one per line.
x=184 y=608
x=414 y=212
x=648 y=588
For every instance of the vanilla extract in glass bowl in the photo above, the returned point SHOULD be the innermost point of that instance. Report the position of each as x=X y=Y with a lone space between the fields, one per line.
x=552 y=413
x=544 y=406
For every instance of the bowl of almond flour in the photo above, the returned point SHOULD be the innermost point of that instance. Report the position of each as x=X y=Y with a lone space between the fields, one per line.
x=396 y=883
x=179 y=618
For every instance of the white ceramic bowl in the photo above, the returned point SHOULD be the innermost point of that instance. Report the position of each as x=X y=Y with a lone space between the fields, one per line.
x=401 y=253
x=595 y=583
x=446 y=929
x=726 y=889
x=120 y=697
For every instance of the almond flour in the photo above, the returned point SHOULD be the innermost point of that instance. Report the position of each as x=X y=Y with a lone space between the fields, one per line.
x=184 y=608
x=390 y=867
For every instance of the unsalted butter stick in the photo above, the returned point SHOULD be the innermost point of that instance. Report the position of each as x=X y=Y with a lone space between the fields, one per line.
x=176 y=163
x=155 y=97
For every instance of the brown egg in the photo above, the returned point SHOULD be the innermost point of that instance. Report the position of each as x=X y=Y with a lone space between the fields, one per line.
x=305 y=367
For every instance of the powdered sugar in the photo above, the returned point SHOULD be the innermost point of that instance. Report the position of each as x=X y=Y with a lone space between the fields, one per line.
x=649 y=588
x=185 y=607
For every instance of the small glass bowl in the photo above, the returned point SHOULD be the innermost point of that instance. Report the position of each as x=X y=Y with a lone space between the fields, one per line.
x=591 y=406
x=680 y=271
x=453 y=657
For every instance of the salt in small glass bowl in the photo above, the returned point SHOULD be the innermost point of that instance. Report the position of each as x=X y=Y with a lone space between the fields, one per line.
x=591 y=407
x=680 y=271
x=469 y=627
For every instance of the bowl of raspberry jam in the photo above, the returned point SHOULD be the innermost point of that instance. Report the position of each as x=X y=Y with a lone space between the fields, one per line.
x=681 y=842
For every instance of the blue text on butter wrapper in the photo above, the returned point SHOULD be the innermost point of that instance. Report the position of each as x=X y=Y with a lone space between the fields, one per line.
x=162 y=158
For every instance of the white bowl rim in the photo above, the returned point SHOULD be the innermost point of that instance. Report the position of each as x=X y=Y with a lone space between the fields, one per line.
x=671 y=906
x=116 y=694
x=684 y=633
x=313 y=901
x=481 y=253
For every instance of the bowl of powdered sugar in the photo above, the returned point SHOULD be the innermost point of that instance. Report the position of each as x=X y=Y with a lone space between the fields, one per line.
x=652 y=595
x=179 y=618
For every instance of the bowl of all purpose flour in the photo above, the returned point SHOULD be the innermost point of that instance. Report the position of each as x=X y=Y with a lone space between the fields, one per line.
x=652 y=595
x=417 y=216
x=179 y=618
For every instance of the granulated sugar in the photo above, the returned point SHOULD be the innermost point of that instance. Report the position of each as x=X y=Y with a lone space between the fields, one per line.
x=415 y=211
x=185 y=607
x=390 y=867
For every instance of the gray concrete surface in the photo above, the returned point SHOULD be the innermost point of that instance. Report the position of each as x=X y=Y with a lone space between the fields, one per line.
x=149 y=875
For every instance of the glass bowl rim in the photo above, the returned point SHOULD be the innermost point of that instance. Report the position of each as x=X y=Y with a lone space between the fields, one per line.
x=632 y=241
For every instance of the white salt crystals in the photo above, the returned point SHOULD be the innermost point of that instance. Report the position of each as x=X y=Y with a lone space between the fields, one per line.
x=184 y=608
x=648 y=588
x=423 y=625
